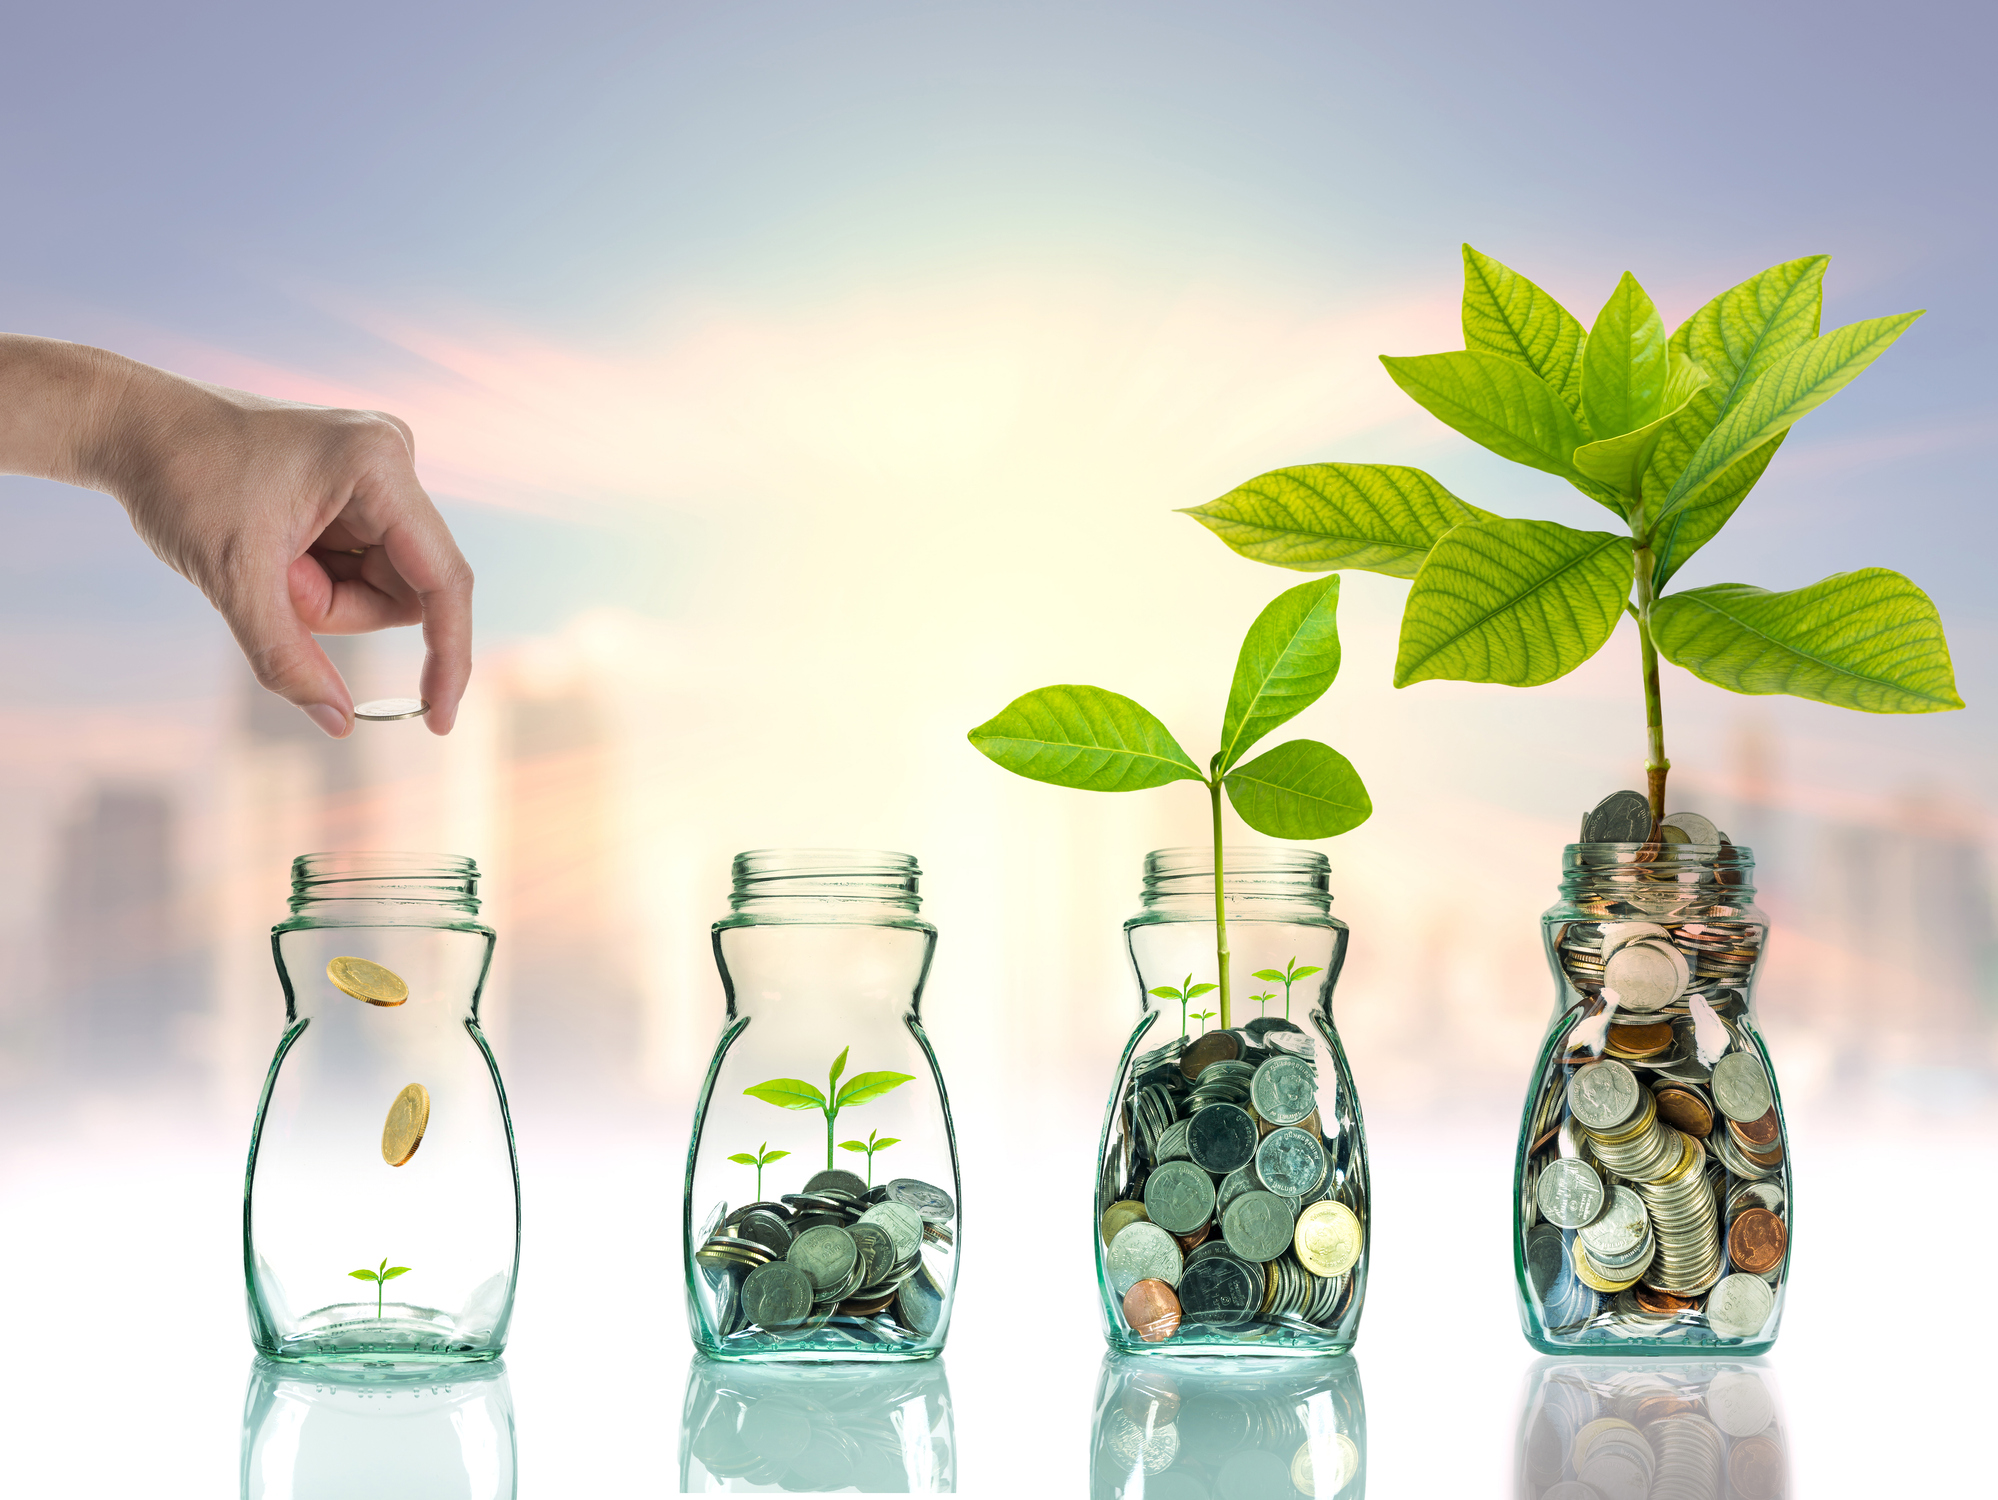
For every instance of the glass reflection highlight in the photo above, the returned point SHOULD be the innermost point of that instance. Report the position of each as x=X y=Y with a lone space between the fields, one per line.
x=1230 y=1429
x=752 y=1429
x=1595 y=1429
x=323 y=1432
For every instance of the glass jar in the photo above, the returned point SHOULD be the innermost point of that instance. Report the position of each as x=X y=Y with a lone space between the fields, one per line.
x=1653 y=1200
x=1254 y=1427
x=1272 y=1184
x=1709 y=1430
x=775 y=1429
x=331 y=1433
x=381 y=1211
x=821 y=1205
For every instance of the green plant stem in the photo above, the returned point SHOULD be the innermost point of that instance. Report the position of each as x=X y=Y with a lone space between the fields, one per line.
x=831 y=1115
x=1220 y=906
x=378 y=1301
x=1656 y=766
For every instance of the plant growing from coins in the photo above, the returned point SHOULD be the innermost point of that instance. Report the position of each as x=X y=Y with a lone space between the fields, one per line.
x=1667 y=433
x=1100 y=741
x=795 y=1093
x=760 y=1158
x=1203 y=1015
x=1185 y=991
x=870 y=1146
x=380 y=1276
x=1263 y=1001
x=1288 y=975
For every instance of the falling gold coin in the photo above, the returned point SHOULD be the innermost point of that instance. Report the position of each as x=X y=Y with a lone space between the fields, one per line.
x=407 y=1119
x=367 y=981
x=1328 y=1238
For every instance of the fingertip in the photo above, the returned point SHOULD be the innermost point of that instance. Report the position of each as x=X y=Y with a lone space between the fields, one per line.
x=335 y=723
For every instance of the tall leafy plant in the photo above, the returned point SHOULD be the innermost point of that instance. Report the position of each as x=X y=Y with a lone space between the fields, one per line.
x=1100 y=741
x=1667 y=433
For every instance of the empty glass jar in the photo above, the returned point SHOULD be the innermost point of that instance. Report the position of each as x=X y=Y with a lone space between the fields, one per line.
x=822 y=1190
x=381 y=1211
x=1232 y=1189
x=1653 y=1198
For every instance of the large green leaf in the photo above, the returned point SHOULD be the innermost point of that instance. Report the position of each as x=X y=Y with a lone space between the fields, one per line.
x=1747 y=328
x=1495 y=401
x=787 y=1093
x=1624 y=365
x=1317 y=517
x=1084 y=737
x=1288 y=660
x=1504 y=313
x=748 y=1159
x=1868 y=640
x=1299 y=790
x=863 y=1087
x=1518 y=602
x=1794 y=385
x=1620 y=462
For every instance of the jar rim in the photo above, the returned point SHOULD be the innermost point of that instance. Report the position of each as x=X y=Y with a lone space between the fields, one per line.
x=1246 y=859
x=778 y=863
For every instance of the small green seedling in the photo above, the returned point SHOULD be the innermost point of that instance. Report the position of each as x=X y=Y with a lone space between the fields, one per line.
x=1203 y=1015
x=1187 y=990
x=1099 y=741
x=1288 y=975
x=795 y=1093
x=1263 y=1000
x=381 y=1274
x=1667 y=433
x=870 y=1146
x=760 y=1158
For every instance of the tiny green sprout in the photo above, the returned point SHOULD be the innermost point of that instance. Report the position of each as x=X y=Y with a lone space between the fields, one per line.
x=1203 y=1015
x=1287 y=976
x=381 y=1273
x=759 y=1159
x=795 y=1093
x=870 y=1146
x=1098 y=741
x=1263 y=1001
x=1187 y=990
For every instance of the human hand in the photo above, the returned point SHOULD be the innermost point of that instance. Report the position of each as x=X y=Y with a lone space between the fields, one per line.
x=292 y=519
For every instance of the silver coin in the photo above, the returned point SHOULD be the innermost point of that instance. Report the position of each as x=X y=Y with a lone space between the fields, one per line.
x=1620 y=1230
x=933 y=1203
x=1545 y=1259
x=1220 y=1138
x=1284 y=1090
x=382 y=710
x=1698 y=830
x=1153 y=1449
x=1741 y=1087
x=1647 y=975
x=1603 y=1095
x=1179 y=1196
x=877 y=1251
x=1620 y=818
x=904 y=1226
x=1739 y=1305
x=1258 y=1226
x=777 y=1295
x=1570 y=1193
x=1142 y=1252
x=838 y=1179
x=1619 y=934
x=1290 y=1161
x=827 y=1255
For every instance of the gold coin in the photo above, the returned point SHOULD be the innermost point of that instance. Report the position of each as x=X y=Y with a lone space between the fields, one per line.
x=367 y=981
x=1119 y=1214
x=1328 y=1238
x=407 y=1119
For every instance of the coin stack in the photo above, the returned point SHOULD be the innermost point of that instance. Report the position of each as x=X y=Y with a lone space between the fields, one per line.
x=838 y=1263
x=1685 y=1434
x=1657 y=1096
x=1231 y=1220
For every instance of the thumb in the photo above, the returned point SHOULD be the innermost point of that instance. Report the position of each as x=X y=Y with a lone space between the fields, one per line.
x=283 y=653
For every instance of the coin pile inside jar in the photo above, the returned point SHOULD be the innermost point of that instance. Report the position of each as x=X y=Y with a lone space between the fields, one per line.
x=840 y=1262
x=1232 y=1218
x=1660 y=1432
x=1653 y=1192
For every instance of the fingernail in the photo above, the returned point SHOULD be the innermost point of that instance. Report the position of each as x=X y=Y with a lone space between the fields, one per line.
x=328 y=718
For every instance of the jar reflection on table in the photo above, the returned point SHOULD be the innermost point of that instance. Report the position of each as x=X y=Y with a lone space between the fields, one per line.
x=751 y=1428
x=1245 y=1429
x=332 y=1432
x=1598 y=1429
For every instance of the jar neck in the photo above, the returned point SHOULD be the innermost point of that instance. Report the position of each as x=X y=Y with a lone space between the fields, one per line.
x=1256 y=881
x=824 y=885
x=1670 y=879
x=384 y=889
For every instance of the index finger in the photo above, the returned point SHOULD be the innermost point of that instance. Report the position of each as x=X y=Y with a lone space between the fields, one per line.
x=421 y=550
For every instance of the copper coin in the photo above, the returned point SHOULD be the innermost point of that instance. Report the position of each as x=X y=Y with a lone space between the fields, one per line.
x=1758 y=1135
x=1654 y=1301
x=1641 y=1041
x=1755 y=1468
x=1658 y=1408
x=1152 y=1310
x=1153 y=1398
x=1756 y=1241
x=1772 y=1157
x=1553 y=1131
x=866 y=1309
x=1211 y=1047
x=1685 y=1110
x=1198 y=1237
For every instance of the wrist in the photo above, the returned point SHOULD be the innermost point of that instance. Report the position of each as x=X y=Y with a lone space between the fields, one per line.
x=57 y=404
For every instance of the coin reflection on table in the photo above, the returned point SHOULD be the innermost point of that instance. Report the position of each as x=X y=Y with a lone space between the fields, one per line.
x=751 y=1429
x=1596 y=1429
x=1249 y=1428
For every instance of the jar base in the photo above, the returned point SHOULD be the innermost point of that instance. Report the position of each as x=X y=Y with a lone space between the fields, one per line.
x=1276 y=1346
x=374 y=1345
x=1649 y=1348
x=815 y=1353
